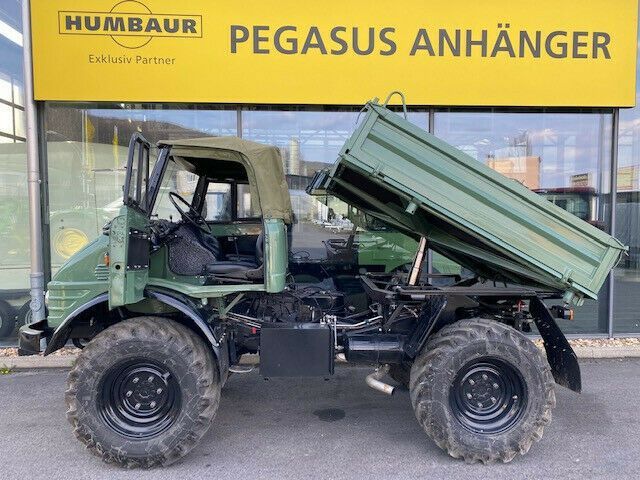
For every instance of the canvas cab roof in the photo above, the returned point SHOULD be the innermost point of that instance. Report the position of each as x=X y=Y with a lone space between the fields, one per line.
x=262 y=162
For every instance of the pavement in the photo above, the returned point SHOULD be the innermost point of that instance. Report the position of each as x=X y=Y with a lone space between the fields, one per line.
x=312 y=428
x=64 y=360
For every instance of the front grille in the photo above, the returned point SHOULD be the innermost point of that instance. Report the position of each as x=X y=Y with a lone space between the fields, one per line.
x=101 y=272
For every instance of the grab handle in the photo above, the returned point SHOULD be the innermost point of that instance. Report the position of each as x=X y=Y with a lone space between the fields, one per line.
x=404 y=103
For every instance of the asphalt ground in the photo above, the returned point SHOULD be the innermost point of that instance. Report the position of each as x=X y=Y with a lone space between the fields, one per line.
x=312 y=428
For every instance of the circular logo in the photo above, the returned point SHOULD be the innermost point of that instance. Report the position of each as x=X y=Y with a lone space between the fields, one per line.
x=129 y=7
x=68 y=241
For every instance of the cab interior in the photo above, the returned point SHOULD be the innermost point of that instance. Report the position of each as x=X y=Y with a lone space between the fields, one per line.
x=207 y=221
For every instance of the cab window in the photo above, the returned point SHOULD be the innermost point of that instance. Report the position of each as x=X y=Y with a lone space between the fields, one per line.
x=218 y=202
x=222 y=204
x=177 y=180
x=245 y=207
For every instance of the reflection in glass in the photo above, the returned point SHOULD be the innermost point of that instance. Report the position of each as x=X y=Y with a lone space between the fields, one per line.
x=310 y=141
x=92 y=143
x=14 y=205
x=626 y=313
x=564 y=157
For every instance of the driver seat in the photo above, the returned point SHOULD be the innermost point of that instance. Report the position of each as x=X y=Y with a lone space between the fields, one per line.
x=226 y=267
x=242 y=269
x=191 y=252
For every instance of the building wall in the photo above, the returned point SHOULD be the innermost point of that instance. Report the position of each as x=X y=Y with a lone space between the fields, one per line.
x=566 y=155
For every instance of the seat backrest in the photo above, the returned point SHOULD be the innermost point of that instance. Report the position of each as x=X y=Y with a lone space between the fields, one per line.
x=189 y=252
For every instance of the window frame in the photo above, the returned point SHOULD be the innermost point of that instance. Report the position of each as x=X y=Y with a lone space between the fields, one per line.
x=200 y=196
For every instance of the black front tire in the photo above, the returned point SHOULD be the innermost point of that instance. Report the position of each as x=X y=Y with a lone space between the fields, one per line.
x=482 y=391
x=143 y=392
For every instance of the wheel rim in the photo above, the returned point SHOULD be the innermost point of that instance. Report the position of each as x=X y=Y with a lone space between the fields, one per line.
x=139 y=399
x=488 y=396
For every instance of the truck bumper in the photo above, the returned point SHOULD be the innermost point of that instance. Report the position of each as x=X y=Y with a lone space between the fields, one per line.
x=32 y=337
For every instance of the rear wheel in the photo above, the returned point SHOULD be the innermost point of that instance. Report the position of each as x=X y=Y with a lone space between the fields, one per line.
x=143 y=392
x=400 y=373
x=24 y=314
x=482 y=391
x=7 y=319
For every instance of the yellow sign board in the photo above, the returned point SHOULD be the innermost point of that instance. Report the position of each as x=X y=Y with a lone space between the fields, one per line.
x=467 y=52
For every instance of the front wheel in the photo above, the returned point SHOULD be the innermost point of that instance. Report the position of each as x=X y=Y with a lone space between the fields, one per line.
x=143 y=392
x=482 y=391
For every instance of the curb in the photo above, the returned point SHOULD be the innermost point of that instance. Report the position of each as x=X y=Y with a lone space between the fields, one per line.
x=38 y=362
x=632 y=351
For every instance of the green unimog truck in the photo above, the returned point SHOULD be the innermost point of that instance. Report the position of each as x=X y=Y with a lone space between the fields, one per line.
x=167 y=306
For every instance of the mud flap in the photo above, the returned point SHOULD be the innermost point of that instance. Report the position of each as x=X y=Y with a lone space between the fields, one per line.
x=561 y=357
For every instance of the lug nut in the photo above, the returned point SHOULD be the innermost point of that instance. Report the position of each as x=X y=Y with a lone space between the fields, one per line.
x=159 y=391
x=150 y=379
x=129 y=393
x=469 y=396
x=152 y=404
x=493 y=399
x=480 y=405
x=471 y=382
x=484 y=376
x=136 y=380
x=137 y=406
x=495 y=386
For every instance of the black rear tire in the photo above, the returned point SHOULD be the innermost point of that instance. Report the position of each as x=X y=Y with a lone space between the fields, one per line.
x=400 y=373
x=482 y=391
x=143 y=392
x=7 y=319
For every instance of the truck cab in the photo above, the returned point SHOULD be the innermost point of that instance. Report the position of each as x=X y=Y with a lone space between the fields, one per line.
x=198 y=225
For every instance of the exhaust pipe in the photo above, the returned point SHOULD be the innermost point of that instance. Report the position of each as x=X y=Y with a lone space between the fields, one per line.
x=373 y=380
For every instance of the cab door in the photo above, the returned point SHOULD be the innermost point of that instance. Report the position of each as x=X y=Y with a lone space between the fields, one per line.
x=129 y=234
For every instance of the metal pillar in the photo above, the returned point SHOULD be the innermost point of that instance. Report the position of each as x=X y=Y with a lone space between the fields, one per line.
x=615 y=125
x=431 y=128
x=33 y=171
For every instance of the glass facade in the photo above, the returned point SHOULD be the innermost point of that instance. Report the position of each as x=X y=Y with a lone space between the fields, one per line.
x=309 y=141
x=92 y=142
x=565 y=156
x=626 y=284
x=14 y=205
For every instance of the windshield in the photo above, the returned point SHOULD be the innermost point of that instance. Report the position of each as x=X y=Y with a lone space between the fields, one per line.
x=178 y=180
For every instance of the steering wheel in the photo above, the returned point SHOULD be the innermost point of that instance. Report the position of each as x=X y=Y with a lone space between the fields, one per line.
x=191 y=215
